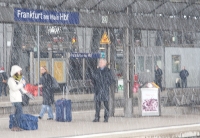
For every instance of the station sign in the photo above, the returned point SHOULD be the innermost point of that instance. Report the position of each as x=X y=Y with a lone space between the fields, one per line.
x=85 y=55
x=43 y=16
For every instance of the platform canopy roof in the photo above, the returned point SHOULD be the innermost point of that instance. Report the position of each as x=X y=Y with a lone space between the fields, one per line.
x=163 y=7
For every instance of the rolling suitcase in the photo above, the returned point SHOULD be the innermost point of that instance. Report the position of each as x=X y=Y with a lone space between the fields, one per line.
x=63 y=109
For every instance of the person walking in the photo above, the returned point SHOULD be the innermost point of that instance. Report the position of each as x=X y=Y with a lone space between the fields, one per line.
x=3 y=81
x=184 y=74
x=47 y=93
x=15 y=84
x=102 y=78
x=158 y=77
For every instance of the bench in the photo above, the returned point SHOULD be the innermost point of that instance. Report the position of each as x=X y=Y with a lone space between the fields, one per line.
x=80 y=86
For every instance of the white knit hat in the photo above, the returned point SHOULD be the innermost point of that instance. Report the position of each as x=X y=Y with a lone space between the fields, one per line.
x=15 y=69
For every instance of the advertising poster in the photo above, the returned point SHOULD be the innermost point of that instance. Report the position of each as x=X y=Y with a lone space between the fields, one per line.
x=150 y=102
x=58 y=71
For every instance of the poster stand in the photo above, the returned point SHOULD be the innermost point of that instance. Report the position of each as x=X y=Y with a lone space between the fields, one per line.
x=150 y=102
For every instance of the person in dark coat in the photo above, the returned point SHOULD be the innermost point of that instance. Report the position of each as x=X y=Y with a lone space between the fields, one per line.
x=47 y=93
x=102 y=78
x=3 y=81
x=158 y=77
x=184 y=74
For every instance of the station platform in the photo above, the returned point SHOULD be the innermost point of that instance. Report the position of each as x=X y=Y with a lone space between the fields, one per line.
x=185 y=125
x=173 y=122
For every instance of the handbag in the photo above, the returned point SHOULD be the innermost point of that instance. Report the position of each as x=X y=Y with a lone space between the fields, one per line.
x=25 y=99
x=55 y=84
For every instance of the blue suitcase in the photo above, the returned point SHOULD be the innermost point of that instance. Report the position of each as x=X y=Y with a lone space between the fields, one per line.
x=63 y=110
x=27 y=122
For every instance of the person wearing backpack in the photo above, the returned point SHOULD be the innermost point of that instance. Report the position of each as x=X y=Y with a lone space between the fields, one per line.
x=47 y=93
x=15 y=84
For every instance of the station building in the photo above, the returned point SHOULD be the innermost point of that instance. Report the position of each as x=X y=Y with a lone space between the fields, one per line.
x=142 y=34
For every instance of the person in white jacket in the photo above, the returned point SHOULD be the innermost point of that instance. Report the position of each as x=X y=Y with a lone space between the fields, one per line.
x=15 y=84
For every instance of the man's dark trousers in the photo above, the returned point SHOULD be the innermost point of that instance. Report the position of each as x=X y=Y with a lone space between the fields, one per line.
x=184 y=83
x=98 y=108
x=159 y=83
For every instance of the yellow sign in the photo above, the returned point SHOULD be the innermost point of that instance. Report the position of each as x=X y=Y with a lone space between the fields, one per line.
x=105 y=39
x=59 y=71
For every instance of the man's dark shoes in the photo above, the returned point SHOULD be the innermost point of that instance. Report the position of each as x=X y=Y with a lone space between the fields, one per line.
x=95 y=120
x=39 y=117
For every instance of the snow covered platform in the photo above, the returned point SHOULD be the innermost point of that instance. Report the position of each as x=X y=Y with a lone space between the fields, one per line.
x=118 y=127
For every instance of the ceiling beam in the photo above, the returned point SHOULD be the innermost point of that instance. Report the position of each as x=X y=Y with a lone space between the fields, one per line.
x=60 y=4
x=192 y=12
x=129 y=5
x=96 y=5
x=23 y=2
x=187 y=6
x=82 y=2
x=160 y=5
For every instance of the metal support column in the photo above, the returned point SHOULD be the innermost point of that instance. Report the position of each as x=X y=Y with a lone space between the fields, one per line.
x=32 y=67
x=128 y=97
x=38 y=50
x=67 y=69
x=84 y=49
x=111 y=60
x=50 y=53
x=4 y=46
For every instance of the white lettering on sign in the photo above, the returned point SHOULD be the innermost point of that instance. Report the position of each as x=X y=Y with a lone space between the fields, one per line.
x=31 y=15
x=54 y=17
x=42 y=15
x=64 y=16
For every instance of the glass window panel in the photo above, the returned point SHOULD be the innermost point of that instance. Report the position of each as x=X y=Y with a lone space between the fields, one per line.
x=189 y=38
x=179 y=37
x=152 y=38
x=149 y=64
x=137 y=37
x=144 y=34
x=176 y=63
x=167 y=38
x=140 y=64
x=159 y=38
x=158 y=61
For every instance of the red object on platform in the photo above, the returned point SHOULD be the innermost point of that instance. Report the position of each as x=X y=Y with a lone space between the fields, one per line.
x=136 y=83
x=136 y=87
x=35 y=93
x=31 y=89
x=136 y=78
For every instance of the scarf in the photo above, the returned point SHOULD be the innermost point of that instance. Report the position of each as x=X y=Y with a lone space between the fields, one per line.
x=18 y=78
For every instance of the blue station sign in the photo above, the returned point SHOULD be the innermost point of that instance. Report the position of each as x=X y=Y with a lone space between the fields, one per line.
x=85 y=55
x=41 y=16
